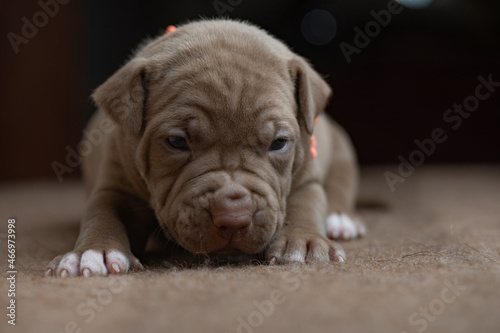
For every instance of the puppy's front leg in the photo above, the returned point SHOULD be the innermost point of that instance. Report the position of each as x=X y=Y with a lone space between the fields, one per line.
x=103 y=245
x=303 y=237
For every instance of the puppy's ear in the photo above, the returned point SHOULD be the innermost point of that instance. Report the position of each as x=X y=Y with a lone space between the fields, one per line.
x=311 y=92
x=123 y=95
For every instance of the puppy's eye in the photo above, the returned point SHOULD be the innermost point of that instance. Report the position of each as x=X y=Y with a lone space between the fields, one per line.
x=178 y=143
x=278 y=144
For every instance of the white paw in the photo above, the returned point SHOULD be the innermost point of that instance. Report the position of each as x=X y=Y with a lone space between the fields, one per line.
x=91 y=263
x=299 y=247
x=342 y=226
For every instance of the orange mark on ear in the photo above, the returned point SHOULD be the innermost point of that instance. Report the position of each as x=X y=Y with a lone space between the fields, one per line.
x=170 y=28
x=314 y=151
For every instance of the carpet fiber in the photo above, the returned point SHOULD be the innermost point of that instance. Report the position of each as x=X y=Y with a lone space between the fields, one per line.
x=430 y=263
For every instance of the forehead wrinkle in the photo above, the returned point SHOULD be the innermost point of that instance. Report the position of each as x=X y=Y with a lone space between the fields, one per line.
x=232 y=81
x=223 y=79
x=183 y=102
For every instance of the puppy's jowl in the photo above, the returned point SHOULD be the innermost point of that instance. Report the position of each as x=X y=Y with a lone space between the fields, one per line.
x=220 y=141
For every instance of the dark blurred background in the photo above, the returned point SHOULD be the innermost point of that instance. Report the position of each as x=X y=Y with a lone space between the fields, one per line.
x=397 y=88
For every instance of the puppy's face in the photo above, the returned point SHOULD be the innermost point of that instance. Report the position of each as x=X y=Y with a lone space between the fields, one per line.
x=223 y=157
x=220 y=136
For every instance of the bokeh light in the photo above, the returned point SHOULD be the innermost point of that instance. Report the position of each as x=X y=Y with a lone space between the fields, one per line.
x=319 y=27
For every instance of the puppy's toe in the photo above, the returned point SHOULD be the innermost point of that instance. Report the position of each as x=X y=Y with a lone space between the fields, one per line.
x=276 y=250
x=52 y=266
x=345 y=227
x=118 y=263
x=295 y=252
x=93 y=263
x=69 y=265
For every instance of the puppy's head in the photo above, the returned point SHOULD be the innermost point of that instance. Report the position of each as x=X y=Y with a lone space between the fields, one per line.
x=217 y=118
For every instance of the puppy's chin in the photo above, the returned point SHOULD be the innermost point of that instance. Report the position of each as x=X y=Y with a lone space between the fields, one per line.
x=228 y=250
x=225 y=247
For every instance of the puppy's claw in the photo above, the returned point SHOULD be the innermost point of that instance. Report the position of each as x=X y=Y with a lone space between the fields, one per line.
x=136 y=265
x=86 y=272
x=115 y=267
x=64 y=273
x=338 y=255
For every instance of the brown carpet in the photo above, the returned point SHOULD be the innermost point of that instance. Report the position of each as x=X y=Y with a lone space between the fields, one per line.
x=430 y=263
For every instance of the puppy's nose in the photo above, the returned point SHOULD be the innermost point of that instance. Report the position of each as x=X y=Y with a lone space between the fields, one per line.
x=232 y=208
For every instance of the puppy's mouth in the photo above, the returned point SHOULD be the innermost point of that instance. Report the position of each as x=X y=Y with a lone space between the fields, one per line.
x=232 y=254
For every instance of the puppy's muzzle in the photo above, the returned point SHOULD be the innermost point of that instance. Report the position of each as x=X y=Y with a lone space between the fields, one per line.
x=224 y=214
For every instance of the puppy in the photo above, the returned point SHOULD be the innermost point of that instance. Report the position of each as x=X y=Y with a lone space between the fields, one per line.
x=216 y=135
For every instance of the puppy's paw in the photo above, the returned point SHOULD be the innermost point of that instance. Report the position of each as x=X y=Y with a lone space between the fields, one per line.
x=92 y=262
x=304 y=248
x=344 y=227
